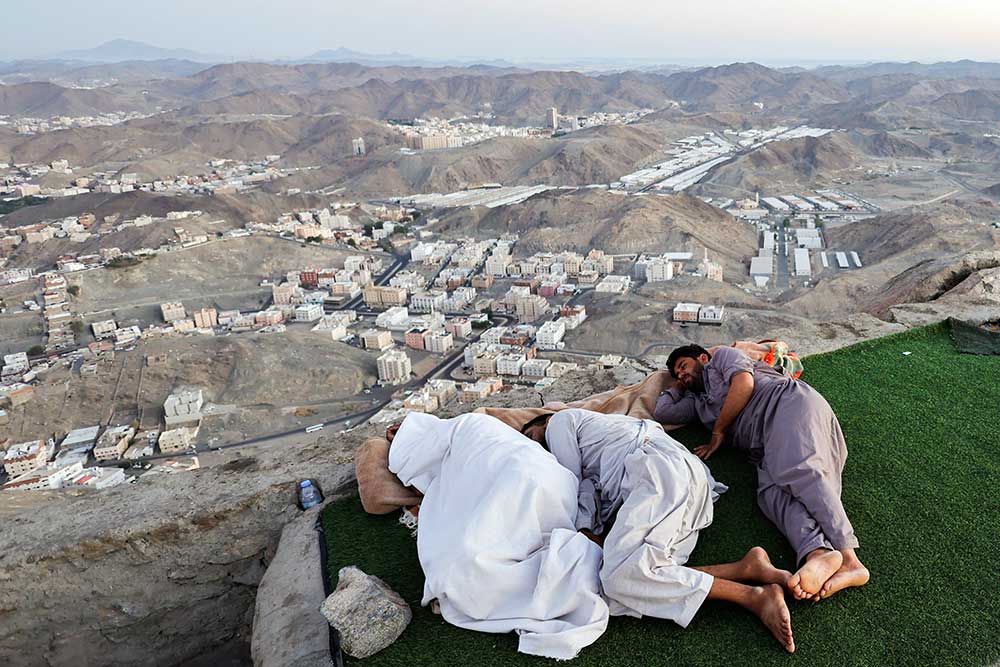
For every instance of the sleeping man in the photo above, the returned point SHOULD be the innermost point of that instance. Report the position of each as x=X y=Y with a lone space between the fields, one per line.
x=497 y=540
x=792 y=435
x=645 y=497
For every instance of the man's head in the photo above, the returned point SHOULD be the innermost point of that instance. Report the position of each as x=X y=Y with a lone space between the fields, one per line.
x=535 y=429
x=390 y=432
x=687 y=363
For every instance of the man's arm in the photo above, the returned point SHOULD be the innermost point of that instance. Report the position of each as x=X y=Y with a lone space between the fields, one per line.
x=562 y=437
x=740 y=391
x=675 y=406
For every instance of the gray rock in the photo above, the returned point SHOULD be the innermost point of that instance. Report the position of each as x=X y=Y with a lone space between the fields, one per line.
x=367 y=613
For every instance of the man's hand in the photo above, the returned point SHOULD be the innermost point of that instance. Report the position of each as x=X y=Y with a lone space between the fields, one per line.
x=705 y=451
x=679 y=386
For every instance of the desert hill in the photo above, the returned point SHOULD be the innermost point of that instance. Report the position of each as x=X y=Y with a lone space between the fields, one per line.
x=46 y=99
x=739 y=84
x=598 y=155
x=166 y=145
x=912 y=255
x=787 y=165
x=585 y=219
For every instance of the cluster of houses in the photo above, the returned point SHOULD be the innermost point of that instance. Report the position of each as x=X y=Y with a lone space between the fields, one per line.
x=40 y=464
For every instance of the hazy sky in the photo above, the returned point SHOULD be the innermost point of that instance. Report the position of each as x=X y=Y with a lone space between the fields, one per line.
x=710 y=31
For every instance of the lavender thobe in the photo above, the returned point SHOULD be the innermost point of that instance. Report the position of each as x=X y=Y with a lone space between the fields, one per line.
x=791 y=433
x=658 y=495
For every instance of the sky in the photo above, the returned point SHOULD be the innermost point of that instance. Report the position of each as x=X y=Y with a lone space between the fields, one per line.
x=707 y=32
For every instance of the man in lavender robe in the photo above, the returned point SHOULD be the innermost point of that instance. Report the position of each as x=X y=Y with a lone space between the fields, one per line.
x=792 y=435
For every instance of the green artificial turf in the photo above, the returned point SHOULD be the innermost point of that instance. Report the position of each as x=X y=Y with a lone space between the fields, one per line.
x=922 y=487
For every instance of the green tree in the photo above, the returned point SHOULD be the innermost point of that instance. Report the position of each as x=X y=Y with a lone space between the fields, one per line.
x=36 y=351
x=74 y=290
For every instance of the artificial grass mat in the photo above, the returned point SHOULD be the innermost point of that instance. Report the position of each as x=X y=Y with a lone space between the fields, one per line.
x=922 y=488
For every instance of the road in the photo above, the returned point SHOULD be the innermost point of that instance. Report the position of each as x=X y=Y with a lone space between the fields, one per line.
x=781 y=259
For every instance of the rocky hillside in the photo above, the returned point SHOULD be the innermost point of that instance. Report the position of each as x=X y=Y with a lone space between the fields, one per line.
x=586 y=219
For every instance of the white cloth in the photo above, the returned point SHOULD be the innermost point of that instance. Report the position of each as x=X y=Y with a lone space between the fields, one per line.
x=663 y=496
x=497 y=541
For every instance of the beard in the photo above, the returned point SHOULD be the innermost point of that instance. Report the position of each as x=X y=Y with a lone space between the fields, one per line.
x=697 y=380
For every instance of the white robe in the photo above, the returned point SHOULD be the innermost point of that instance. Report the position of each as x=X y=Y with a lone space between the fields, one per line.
x=497 y=541
x=663 y=496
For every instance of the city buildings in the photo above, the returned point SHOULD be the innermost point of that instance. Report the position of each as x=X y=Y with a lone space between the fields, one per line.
x=394 y=367
x=384 y=296
x=414 y=338
x=177 y=439
x=25 y=457
x=550 y=334
x=183 y=408
x=614 y=285
x=711 y=314
x=686 y=312
x=308 y=312
x=173 y=311
x=438 y=342
x=206 y=318
x=113 y=443
x=375 y=339
x=104 y=329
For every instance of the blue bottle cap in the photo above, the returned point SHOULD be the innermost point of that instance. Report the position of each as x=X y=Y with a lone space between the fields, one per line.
x=303 y=484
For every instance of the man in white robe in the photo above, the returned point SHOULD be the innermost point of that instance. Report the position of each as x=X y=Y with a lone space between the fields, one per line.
x=645 y=497
x=497 y=541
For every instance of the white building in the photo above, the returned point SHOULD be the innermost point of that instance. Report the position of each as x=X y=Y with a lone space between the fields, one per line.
x=510 y=364
x=46 y=476
x=711 y=314
x=535 y=367
x=183 y=408
x=550 y=334
x=396 y=318
x=394 y=367
x=104 y=329
x=25 y=457
x=425 y=302
x=659 y=270
x=802 y=265
x=308 y=312
x=438 y=342
x=614 y=285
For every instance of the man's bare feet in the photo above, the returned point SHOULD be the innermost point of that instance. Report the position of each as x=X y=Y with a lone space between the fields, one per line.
x=769 y=605
x=757 y=568
x=820 y=565
x=851 y=573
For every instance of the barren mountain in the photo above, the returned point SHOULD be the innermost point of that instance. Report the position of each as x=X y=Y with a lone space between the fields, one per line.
x=788 y=164
x=585 y=219
x=740 y=84
x=913 y=255
x=42 y=100
x=167 y=145
x=970 y=105
x=598 y=155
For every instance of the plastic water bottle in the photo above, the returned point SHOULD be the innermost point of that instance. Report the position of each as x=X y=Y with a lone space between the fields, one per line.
x=308 y=496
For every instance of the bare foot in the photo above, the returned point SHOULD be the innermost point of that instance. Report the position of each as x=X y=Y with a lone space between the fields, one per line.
x=757 y=568
x=819 y=566
x=769 y=605
x=851 y=573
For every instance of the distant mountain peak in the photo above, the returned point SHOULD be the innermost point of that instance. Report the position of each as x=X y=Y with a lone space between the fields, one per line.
x=122 y=50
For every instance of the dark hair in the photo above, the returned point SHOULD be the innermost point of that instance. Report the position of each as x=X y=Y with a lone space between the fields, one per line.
x=536 y=420
x=690 y=351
